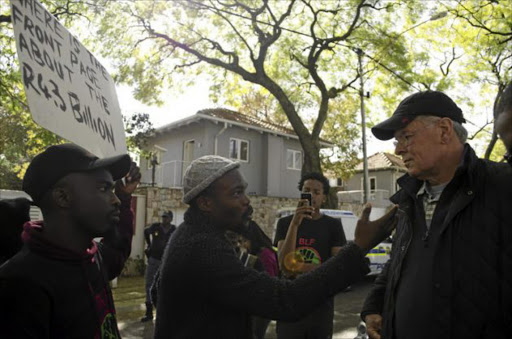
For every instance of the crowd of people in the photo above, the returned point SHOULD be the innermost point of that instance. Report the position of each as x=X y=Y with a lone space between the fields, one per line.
x=218 y=275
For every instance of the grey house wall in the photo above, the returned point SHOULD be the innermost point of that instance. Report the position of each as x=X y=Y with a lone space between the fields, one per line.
x=386 y=180
x=266 y=171
x=173 y=143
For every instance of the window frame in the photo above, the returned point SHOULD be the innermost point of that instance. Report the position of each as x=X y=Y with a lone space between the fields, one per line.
x=238 y=145
x=294 y=152
x=369 y=183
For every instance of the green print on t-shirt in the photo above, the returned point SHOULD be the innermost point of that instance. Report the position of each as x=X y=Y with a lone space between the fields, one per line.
x=310 y=255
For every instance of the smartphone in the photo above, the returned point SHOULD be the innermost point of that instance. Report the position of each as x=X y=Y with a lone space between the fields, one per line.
x=307 y=196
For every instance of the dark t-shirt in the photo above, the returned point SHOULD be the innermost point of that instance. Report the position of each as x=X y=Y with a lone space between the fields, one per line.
x=315 y=238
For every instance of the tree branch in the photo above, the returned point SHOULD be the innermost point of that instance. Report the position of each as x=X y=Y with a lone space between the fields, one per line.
x=219 y=13
x=478 y=23
x=454 y=57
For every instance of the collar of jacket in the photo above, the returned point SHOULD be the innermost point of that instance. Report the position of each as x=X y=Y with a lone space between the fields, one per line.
x=410 y=185
x=466 y=186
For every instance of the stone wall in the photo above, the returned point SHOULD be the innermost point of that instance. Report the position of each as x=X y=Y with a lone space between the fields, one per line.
x=159 y=199
x=265 y=210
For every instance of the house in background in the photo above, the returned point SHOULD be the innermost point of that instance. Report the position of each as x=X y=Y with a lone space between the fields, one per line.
x=271 y=156
x=384 y=169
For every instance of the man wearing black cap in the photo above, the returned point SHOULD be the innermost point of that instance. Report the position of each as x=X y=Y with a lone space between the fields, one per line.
x=57 y=285
x=449 y=275
x=157 y=235
x=204 y=289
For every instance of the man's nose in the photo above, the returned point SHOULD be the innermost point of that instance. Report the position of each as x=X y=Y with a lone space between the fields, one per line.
x=115 y=200
x=246 y=201
x=399 y=149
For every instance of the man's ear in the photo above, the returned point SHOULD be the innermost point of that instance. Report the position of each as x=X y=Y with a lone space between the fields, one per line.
x=205 y=203
x=447 y=131
x=61 y=196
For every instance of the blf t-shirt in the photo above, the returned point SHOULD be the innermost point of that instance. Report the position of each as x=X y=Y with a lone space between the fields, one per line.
x=315 y=238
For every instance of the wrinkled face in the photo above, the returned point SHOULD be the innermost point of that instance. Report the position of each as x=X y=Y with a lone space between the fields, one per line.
x=230 y=205
x=419 y=146
x=93 y=204
x=316 y=189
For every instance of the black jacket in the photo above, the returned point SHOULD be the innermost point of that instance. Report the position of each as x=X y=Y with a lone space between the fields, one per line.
x=472 y=268
x=156 y=239
x=49 y=292
x=205 y=291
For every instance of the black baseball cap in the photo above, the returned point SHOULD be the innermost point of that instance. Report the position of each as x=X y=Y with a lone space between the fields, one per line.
x=167 y=214
x=422 y=103
x=58 y=161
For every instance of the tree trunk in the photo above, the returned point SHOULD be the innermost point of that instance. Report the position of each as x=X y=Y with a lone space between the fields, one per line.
x=311 y=156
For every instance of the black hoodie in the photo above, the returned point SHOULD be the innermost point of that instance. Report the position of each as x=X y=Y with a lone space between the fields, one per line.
x=47 y=291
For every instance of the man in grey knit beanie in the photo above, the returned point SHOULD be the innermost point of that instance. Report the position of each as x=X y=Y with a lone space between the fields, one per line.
x=205 y=291
x=202 y=172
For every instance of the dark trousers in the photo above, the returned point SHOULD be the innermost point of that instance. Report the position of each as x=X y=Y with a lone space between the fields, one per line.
x=316 y=325
x=151 y=269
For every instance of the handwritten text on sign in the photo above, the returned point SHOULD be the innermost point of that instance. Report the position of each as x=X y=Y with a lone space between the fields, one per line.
x=69 y=92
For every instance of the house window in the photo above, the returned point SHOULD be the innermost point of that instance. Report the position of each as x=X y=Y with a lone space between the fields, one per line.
x=293 y=159
x=239 y=149
x=339 y=182
x=372 y=181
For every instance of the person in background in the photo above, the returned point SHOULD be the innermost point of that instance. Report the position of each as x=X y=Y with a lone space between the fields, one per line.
x=157 y=235
x=449 y=275
x=314 y=238
x=57 y=286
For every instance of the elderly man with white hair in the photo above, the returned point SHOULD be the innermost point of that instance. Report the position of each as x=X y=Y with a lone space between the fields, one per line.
x=450 y=274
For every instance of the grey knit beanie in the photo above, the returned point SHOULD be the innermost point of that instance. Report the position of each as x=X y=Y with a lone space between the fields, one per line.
x=202 y=172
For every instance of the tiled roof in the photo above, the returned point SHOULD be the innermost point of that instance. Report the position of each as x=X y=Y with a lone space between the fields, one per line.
x=223 y=114
x=227 y=114
x=382 y=160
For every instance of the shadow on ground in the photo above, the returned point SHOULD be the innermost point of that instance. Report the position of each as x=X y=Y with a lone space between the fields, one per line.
x=129 y=297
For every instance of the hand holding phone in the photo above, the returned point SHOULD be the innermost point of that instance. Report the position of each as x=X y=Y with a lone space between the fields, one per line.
x=304 y=209
x=308 y=196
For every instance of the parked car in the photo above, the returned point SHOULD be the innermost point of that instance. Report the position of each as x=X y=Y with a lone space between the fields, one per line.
x=377 y=257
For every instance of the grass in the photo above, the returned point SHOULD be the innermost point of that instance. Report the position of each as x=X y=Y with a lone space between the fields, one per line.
x=129 y=298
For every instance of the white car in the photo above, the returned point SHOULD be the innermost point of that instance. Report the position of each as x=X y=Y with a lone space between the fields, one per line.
x=377 y=257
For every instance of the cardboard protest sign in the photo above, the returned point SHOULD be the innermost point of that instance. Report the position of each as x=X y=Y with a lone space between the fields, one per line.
x=68 y=90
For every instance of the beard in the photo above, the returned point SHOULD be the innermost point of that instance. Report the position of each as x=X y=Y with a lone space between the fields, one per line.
x=242 y=227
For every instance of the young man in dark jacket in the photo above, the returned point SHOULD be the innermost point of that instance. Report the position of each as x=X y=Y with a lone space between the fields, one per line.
x=156 y=236
x=450 y=275
x=205 y=291
x=57 y=285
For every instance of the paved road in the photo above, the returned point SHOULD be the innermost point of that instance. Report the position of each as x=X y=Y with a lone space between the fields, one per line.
x=346 y=316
